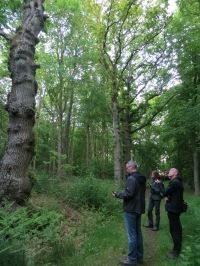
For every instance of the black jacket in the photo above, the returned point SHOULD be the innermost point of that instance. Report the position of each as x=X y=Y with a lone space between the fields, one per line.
x=134 y=194
x=174 y=193
x=157 y=190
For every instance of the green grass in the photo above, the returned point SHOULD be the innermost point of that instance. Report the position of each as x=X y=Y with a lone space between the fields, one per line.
x=91 y=235
x=96 y=236
x=191 y=247
x=105 y=241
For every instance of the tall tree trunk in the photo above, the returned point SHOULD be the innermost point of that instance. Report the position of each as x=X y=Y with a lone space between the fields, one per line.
x=88 y=145
x=15 y=184
x=117 y=147
x=196 y=82
x=68 y=126
x=59 y=147
x=61 y=110
x=127 y=142
x=196 y=172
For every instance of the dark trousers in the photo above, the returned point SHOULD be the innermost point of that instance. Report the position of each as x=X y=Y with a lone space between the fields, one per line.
x=152 y=204
x=175 y=229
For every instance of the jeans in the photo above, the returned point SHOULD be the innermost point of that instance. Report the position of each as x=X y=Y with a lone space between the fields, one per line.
x=175 y=228
x=134 y=233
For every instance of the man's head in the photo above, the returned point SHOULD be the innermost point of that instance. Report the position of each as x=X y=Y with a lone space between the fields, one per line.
x=173 y=172
x=131 y=166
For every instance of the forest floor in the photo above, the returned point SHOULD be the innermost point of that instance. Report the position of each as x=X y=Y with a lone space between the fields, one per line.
x=73 y=218
x=100 y=239
x=150 y=246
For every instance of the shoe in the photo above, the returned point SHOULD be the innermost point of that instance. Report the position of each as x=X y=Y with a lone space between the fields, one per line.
x=128 y=263
x=155 y=229
x=171 y=252
x=173 y=255
x=148 y=226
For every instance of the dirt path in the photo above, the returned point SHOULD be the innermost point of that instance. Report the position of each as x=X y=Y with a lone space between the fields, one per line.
x=149 y=239
x=150 y=246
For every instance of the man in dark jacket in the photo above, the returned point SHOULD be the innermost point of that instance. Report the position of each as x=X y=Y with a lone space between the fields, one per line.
x=174 y=200
x=156 y=194
x=134 y=206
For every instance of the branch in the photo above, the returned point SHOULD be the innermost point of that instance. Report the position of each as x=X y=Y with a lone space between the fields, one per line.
x=119 y=52
x=149 y=120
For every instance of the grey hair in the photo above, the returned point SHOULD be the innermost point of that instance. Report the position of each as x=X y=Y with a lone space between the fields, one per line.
x=131 y=163
x=175 y=170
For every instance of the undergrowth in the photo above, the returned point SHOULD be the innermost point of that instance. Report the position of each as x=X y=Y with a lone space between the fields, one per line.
x=91 y=193
x=27 y=235
x=79 y=223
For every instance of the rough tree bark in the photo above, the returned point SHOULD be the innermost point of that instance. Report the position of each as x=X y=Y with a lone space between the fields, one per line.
x=15 y=184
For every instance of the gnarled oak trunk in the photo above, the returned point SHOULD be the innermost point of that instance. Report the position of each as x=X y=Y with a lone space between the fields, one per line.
x=15 y=184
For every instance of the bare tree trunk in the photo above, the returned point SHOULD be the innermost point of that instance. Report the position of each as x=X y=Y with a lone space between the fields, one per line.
x=88 y=145
x=117 y=147
x=15 y=184
x=68 y=125
x=127 y=142
x=196 y=173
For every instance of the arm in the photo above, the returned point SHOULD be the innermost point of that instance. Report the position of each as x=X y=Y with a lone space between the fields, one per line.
x=172 y=187
x=129 y=191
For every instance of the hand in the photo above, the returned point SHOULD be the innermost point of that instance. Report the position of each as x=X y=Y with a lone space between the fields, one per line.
x=113 y=193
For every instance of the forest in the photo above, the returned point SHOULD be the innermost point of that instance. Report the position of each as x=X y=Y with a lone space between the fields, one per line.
x=85 y=86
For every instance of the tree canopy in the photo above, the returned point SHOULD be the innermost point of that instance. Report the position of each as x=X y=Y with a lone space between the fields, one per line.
x=117 y=80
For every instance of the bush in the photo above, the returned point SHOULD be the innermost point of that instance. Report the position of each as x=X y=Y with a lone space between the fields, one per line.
x=48 y=184
x=100 y=168
x=191 y=250
x=26 y=233
x=91 y=193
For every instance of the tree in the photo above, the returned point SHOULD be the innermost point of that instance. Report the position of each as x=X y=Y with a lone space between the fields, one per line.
x=15 y=184
x=126 y=38
x=184 y=37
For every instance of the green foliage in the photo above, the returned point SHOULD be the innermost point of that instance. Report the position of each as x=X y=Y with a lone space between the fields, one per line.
x=181 y=128
x=91 y=193
x=190 y=254
x=48 y=184
x=95 y=237
x=104 y=240
x=101 y=168
x=62 y=251
x=100 y=239
x=179 y=131
x=147 y=151
x=26 y=234
x=190 y=245
x=8 y=10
